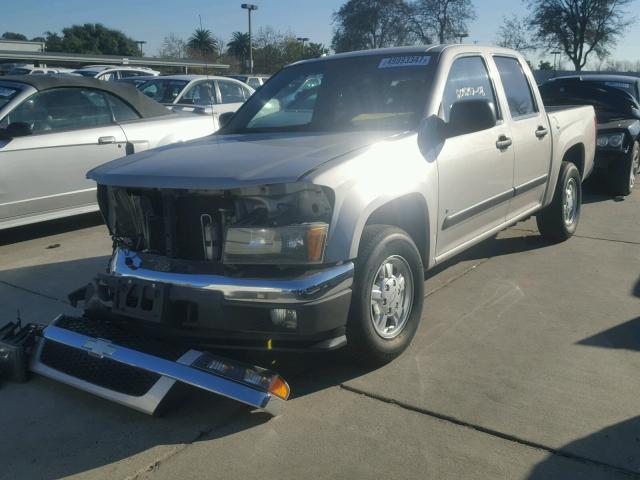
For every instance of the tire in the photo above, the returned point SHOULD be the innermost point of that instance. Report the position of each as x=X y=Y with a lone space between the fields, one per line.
x=373 y=345
x=554 y=224
x=622 y=174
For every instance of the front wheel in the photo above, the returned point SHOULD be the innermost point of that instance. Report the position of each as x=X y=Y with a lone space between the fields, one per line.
x=388 y=294
x=559 y=221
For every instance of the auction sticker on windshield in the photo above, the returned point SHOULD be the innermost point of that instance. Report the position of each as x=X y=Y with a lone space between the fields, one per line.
x=409 y=61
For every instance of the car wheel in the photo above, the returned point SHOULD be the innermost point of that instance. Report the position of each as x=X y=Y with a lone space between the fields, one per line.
x=559 y=221
x=622 y=175
x=388 y=293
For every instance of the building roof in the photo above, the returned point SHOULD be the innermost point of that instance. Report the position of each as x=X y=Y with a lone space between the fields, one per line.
x=144 y=105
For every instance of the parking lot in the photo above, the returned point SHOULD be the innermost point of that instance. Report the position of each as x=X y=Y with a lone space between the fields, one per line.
x=525 y=367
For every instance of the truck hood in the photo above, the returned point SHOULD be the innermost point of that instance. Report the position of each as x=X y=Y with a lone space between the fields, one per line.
x=232 y=161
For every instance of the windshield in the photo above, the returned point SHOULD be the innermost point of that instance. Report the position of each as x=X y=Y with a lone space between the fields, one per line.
x=86 y=73
x=20 y=71
x=366 y=93
x=7 y=94
x=624 y=86
x=163 y=90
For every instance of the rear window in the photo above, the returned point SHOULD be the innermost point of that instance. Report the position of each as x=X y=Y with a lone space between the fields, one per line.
x=7 y=94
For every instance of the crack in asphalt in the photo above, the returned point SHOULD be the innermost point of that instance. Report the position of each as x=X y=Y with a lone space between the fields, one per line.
x=457 y=277
x=33 y=292
x=488 y=431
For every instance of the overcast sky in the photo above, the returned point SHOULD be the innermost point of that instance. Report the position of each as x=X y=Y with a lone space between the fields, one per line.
x=152 y=20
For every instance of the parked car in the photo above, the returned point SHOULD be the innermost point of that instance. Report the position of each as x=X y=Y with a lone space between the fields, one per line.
x=112 y=73
x=615 y=99
x=254 y=81
x=32 y=70
x=55 y=128
x=199 y=93
x=308 y=220
x=136 y=81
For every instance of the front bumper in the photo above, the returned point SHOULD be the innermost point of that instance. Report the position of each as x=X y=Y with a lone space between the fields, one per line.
x=233 y=311
x=605 y=157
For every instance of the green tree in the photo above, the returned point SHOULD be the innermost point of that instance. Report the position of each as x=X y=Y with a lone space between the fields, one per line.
x=580 y=27
x=239 y=47
x=545 y=65
x=13 y=36
x=363 y=24
x=203 y=43
x=52 y=42
x=314 y=50
x=91 y=38
x=444 y=20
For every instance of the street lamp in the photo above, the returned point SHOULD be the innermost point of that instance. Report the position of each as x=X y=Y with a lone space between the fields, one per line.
x=140 y=44
x=555 y=54
x=249 y=7
x=302 y=40
x=462 y=36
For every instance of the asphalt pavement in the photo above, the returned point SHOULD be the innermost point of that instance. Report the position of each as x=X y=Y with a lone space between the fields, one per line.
x=525 y=366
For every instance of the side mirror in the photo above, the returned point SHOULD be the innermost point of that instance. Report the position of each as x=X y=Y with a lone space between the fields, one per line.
x=225 y=118
x=17 y=129
x=471 y=116
x=432 y=134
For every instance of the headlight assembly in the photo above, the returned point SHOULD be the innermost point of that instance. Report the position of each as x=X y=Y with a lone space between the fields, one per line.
x=614 y=140
x=290 y=245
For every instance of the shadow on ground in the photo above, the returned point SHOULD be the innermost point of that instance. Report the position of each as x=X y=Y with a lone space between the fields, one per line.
x=52 y=227
x=623 y=436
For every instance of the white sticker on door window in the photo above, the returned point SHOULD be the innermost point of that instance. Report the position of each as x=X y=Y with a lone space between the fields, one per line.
x=409 y=61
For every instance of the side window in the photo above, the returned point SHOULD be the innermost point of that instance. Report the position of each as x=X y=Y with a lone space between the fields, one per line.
x=201 y=93
x=516 y=86
x=468 y=80
x=109 y=77
x=231 y=92
x=131 y=73
x=63 y=109
x=254 y=82
x=122 y=112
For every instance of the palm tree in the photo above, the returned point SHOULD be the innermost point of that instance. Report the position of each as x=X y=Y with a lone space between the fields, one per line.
x=202 y=42
x=239 y=46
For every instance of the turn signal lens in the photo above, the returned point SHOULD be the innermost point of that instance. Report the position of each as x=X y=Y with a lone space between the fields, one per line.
x=316 y=240
x=279 y=388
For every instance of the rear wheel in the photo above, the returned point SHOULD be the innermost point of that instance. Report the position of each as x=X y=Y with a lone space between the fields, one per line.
x=388 y=295
x=559 y=221
x=622 y=174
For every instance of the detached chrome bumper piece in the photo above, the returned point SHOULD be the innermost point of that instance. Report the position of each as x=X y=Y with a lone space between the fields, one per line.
x=140 y=379
x=306 y=288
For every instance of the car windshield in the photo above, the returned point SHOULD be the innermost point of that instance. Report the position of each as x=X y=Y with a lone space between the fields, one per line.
x=20 y=71
x=7 y=94
x=624 y=86
x=163 y=90
x=86 y=73
x=368 y=93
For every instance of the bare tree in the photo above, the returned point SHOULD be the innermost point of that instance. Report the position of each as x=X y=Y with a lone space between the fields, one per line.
x=362 y=24
x=514 y=33
x=444 y=20
x=173 y=47
x=580 y=27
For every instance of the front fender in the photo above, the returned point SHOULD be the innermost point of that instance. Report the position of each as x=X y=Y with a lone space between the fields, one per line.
x=384 y=172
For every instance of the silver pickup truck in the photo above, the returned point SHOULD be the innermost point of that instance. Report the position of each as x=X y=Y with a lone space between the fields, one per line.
x=308 y=221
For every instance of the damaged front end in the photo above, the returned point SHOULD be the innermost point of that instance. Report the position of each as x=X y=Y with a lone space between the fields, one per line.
x=235 y=268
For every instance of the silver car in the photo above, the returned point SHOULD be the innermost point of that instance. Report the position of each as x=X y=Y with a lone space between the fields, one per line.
x=193 y=93
x=55 y=128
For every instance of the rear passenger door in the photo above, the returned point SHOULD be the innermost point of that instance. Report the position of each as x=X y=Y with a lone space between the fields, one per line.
x=475 y=170
x=74 y=130
x=531 y=135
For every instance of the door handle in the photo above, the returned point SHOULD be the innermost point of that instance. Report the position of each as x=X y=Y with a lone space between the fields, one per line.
x=503 y=142
x=542 y=132
x=106 y=140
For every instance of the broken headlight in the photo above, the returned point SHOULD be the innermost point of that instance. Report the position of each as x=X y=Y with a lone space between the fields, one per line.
x=280 y=224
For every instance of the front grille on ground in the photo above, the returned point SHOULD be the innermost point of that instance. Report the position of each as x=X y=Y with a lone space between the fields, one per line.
x=105 y=372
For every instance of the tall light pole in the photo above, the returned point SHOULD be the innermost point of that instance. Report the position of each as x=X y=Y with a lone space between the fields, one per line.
x=249 y=7
x=302 y=40
x=140 y=44
x=555 y=54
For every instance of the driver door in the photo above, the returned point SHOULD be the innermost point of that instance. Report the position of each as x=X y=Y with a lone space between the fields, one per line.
x=73 y=130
